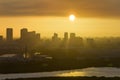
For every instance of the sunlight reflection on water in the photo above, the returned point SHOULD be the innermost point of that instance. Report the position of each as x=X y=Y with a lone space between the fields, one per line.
x=107 y=72
x=72 y=74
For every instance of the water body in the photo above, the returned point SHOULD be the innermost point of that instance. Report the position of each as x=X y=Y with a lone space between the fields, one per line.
x=105 y=71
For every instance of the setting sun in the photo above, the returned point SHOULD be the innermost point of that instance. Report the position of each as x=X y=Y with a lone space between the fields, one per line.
x=72 y=17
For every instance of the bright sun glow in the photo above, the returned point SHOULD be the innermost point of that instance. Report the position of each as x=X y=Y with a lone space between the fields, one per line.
x=72 y=17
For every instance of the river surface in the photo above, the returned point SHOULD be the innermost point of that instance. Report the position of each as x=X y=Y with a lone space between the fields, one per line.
x=104 y=71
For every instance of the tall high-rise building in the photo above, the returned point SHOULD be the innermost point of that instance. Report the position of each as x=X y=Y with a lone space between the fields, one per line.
x=66 y=36
x=72 y=35
x=9 y=34
x=55 y=37
x=24 y=33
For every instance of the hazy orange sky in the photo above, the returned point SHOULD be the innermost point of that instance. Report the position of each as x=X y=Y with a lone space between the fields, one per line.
x=93 y=17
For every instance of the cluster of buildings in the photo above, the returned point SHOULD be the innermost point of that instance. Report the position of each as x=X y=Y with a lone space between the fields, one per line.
x=11 y=45
x=32 y=37
x=24 y=35
x=66 y=37
x=31 y=40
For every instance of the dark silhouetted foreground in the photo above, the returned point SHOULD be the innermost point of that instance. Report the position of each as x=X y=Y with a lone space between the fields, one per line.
x=71 y=78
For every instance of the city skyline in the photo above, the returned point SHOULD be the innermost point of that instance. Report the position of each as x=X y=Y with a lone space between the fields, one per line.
x=25 y=33
x=9 y=34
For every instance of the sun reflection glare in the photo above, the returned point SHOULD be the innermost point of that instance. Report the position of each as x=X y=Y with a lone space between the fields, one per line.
x=73 y=74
